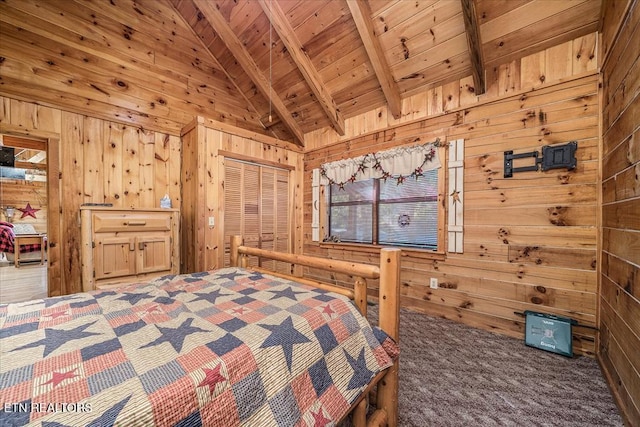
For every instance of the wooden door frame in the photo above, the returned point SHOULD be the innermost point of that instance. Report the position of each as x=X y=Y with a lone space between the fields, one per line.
x=54 y=215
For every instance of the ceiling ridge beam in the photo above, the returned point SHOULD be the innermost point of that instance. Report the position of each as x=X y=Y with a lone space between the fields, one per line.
x=237 y=49
x=361 y=14
x=303 y=62
x=178 y=6
x=475 y=47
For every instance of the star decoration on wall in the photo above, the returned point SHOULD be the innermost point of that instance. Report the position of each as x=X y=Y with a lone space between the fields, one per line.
x=28 y=211
x=456 y=196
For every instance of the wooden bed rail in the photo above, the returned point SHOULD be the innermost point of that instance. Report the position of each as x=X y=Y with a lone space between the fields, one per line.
x=362 y=270
x=389 y=311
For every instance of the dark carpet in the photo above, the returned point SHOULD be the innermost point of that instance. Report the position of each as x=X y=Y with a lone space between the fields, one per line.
x=455 y=375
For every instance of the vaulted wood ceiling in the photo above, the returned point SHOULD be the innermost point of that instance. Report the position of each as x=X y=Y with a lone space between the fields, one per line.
x=279 y=67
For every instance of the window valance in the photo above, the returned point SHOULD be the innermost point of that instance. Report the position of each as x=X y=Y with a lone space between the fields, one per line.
x=397 y=163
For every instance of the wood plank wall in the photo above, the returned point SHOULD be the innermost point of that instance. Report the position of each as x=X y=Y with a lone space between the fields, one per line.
x=205 y=148
x=566 y=61
x=100 y=162
x=619 y=340
x=530 y=240
x=18 y=193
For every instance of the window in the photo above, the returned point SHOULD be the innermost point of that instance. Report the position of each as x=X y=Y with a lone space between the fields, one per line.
x=386 y=212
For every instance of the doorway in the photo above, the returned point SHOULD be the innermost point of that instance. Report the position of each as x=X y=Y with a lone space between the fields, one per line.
x=27 y=212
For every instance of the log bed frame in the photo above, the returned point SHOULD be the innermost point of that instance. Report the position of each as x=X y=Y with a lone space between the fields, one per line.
x=386 y=412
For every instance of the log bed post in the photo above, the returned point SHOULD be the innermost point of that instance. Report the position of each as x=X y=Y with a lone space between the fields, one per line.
x=389 y=321
x=236 y=242
x=360 y=294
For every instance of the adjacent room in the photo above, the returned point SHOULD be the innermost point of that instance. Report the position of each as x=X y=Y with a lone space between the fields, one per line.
x=320 y=212
x=23 y=220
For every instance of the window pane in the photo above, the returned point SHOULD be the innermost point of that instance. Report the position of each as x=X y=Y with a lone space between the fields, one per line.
x=13 y=173
x=352 y=192
x=424 y=186
x=352 y=223
x=411 y=224
x=407 y=213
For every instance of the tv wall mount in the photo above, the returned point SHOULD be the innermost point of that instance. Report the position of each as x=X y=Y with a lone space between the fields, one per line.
x=553 y=157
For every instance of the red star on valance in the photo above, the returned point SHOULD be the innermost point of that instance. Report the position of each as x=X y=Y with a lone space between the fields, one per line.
x=28 y=211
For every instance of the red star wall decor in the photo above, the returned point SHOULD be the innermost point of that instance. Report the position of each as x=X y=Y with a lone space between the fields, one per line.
x=28 y=211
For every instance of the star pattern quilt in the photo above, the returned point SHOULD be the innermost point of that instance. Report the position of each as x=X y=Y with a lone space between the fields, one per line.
x=225 y=348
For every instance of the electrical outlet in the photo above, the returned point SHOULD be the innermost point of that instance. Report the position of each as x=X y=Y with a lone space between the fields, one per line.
x=433 y=283
x=212 y=221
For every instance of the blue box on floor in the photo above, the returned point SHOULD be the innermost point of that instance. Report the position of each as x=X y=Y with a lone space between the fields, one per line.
x=549 y=332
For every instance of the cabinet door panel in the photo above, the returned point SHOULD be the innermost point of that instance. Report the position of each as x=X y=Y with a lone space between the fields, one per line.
x=114 y=257
x=154 y=253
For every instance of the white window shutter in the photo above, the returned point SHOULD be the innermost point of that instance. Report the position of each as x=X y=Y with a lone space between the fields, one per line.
x=456 y=196
x=315 y=205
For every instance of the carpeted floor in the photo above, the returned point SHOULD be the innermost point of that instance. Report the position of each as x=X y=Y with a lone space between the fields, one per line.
x=455 y=375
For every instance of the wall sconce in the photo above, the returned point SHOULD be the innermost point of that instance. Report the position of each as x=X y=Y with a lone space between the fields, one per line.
x=9 y=212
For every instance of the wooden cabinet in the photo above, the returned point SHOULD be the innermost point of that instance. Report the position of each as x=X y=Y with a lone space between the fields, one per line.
x=123 y=246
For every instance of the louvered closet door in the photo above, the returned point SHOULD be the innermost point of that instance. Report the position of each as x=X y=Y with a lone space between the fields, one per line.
x=268 y=210
x=256 y=206
x=282 y=220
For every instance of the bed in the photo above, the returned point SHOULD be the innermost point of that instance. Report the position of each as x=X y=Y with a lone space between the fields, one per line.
x=236 y=346
x=31 y=244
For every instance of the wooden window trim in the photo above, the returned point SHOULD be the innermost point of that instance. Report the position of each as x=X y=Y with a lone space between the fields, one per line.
x=371 y=248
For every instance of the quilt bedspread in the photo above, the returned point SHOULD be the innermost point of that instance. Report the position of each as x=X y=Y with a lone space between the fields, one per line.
x=224 y=348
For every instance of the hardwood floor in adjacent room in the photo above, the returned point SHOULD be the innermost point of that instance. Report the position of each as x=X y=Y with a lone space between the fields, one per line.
x=22 y=284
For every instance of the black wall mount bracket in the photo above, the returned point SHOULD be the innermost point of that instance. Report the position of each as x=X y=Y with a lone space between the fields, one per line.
x=553 y=157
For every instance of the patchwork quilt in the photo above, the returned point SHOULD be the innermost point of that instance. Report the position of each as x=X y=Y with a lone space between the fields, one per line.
x=224 y=348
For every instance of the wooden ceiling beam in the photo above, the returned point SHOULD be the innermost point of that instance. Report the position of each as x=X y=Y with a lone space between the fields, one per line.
x=475 y=47
x=236 y=47
x=185 y=9
x=30 y=165
x=303 y=62
x=361 y=14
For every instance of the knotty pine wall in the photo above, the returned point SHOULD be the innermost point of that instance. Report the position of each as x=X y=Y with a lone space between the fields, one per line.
x=619 y=340
x=559 y=63
x=529 y=241
x=100 y=162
